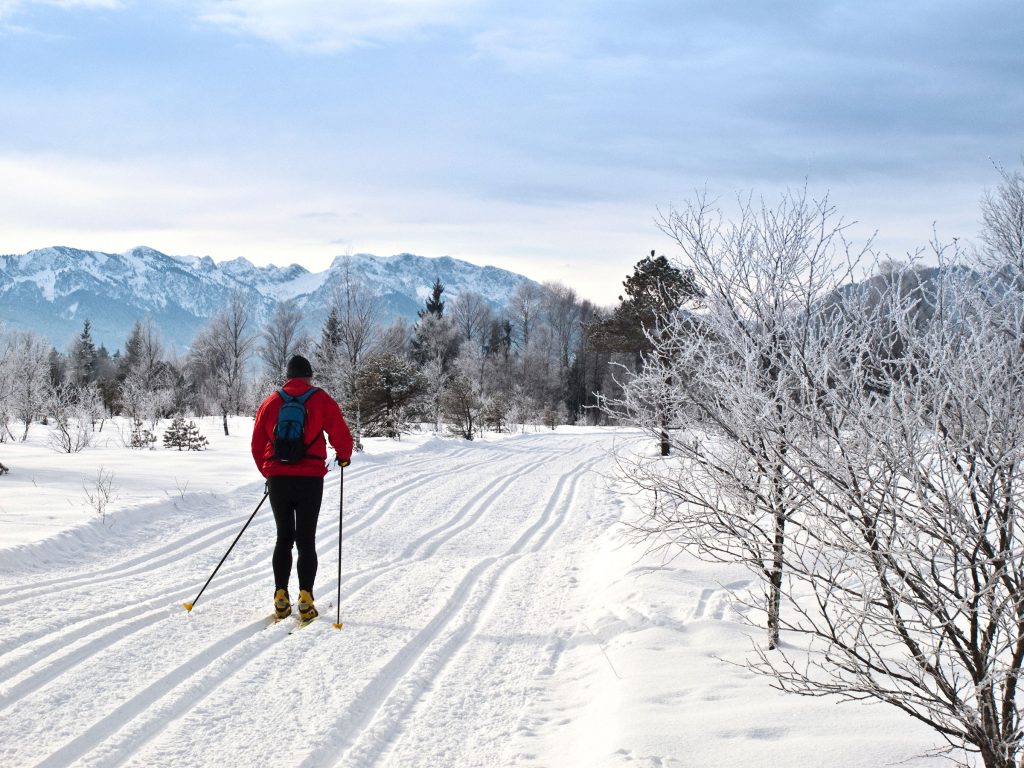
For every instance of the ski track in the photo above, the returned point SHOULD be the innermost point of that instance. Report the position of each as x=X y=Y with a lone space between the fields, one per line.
x=42 y=670
x=62 y=629
x=59 y=653
x=401 y=683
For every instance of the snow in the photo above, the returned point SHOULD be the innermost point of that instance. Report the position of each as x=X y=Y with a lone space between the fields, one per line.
x=496 y=614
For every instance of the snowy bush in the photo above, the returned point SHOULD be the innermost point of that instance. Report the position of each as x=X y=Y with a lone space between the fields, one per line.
x=100 y=492
x=74 y=411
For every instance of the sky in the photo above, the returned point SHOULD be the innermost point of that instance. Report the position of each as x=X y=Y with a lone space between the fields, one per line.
x=539 y=137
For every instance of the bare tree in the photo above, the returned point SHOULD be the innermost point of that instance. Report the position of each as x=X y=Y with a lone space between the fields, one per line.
x=357 y=312
x=909 y=581
x=1003 y=215
x=27 y=361
x=881 y=423
x=472 y=316
x=74 y=411
x=523 y=309
x=562 y=311
x=721 y=371
x=6 y=385
x=220 y=354
x=282 y=338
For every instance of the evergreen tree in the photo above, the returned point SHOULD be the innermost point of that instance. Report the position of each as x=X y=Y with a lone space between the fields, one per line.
x=184 y=436
x=434 y=304
x=140 y=437
x=82 y=360
x=327 y=356
x=654 y=291
x=435 y=337
x=388 y=386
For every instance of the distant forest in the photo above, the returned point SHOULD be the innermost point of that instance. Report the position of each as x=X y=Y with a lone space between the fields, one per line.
x=547 y=359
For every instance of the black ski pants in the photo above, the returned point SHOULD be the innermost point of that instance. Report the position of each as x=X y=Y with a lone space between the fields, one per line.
x=296 y=505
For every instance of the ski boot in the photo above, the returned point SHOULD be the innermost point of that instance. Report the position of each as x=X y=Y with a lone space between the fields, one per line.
x=307 y=611
x=282 y=604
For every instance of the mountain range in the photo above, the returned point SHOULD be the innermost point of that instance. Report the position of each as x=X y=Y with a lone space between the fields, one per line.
x=54 y=290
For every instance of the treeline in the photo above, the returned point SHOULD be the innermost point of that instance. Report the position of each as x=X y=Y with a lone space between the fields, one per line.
x=547 y=358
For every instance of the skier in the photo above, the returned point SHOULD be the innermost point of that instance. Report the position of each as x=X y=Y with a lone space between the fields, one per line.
x=295 y=480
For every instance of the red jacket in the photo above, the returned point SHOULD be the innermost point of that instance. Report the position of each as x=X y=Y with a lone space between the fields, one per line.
x=322 y=415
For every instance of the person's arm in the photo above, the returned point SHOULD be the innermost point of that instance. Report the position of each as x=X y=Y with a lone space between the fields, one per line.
x=260 y=440
x=337 y=431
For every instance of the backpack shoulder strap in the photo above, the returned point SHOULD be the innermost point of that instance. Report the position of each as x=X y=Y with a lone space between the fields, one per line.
x=307 y=394
x=285 y=396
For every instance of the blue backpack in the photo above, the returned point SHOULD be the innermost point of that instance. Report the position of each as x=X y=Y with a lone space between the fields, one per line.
x=289 y=445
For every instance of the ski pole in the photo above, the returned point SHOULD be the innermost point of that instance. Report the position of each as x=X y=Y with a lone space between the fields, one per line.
x=188 y=606
x=341 y=530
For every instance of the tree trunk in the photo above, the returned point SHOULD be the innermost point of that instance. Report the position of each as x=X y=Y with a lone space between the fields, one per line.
x=775 y=580
x=225 y=415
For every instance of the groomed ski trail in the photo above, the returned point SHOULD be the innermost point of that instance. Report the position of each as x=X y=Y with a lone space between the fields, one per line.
x=456 y=562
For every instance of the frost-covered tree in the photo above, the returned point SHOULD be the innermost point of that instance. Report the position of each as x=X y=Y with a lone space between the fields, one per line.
x=27 y=363
x=721 y=373
x=866 y=437
x=359 y=314
x=472 y=317
x=73 y=412
x=6 y=385
x=524 y=308
x=220 y=354
x=327 y=356
x=147 y=381
x=389 y=387
x=911 y=572
x=281 y=339
x=1003 y=215
x=82 y=358
x=461 y=404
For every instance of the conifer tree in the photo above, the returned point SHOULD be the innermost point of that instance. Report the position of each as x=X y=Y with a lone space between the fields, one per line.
x=83 y=358
x=434 y=304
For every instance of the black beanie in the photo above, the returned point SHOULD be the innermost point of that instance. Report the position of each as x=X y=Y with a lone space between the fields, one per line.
x=299 y=368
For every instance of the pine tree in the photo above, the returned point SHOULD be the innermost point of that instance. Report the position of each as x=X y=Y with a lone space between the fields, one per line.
x=327 y=355
x=82 y=360
x=194 y=439
x=141 y=437
x=184 y=436
x=174 y=435
x=654 y=291
x=434 y=304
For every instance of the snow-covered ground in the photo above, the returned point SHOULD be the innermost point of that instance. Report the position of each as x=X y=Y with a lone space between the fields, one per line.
x=495 y=615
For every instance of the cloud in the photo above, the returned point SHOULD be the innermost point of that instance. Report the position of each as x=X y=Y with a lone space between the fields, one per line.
x=331 y=26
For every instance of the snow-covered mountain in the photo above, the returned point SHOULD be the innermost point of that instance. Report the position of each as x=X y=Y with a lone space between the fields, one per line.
x=54 y=290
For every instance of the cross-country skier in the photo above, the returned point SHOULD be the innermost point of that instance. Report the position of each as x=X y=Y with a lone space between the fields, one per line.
x=295 y=474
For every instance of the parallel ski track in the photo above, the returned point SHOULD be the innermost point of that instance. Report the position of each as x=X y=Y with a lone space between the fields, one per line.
x=179 y=690
x=45 y=662
x=64 y=629
x=163 y=703
x=186 y=544
x=392 y=695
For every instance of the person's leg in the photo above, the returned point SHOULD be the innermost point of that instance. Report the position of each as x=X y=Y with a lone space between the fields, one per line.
x=308 y=496
x=282 y=501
